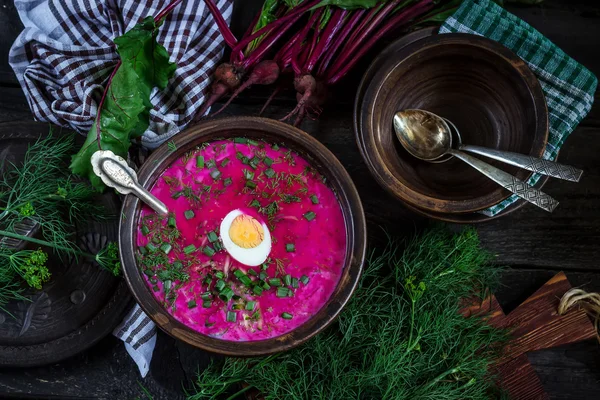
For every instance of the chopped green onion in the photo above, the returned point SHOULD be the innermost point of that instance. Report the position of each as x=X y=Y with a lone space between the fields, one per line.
x=172 y=223
x=314 y=199
x=200 y=162
x=251 y=184
x=145 y=230
x=151 y=248
x=211 y=164
x=290 y=247
x=220 y=274
x=254 y=203
x=155 y=288
x=206 y=296
x=227 y=181
x=189 y=249
x=262 y=276
x=270 y=172
x=265 y=266
x=177 y=195
x=220 y=285
x=244 y=160
x=149 y=272
x=209 y=251
x=166 y=248
x=242 y=277
x=282 y=292
x=218 y=246
x=237 y=306
x=304 y=279
x=310 y=216
x=215 y=174
x=248 y=174
x=295 y=284
x=226 y=294
x=208 y=279
x=254 y=162
x=257 y=290
x=206 y=303
x=250 y=305
x=153 y=280
x=167 y=285
x=212 y=236
x=275 y=282
x=286 y=315
x=143 y=250
x=275 y=147
x=231 y=316
x=177 y=265
x=268 y=161
x=287 y=280
x=189 y=214
x=240 y=140
x=252 y=142
x=255 y=315
x=224 y=162
x=156 y=239
x=252 y=272
x=192 y=304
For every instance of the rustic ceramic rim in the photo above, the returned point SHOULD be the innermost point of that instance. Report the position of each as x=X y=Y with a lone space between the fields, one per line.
x=395 y=46
x=381 y=172
x=320 y=158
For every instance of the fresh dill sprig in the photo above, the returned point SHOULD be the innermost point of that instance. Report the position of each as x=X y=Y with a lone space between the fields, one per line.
x=401 y=336
x=41 y=190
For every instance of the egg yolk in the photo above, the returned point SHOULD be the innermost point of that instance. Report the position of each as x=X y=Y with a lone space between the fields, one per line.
x=246 y=232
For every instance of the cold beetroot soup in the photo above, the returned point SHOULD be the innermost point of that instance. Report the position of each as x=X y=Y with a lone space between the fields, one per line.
x=254 y=244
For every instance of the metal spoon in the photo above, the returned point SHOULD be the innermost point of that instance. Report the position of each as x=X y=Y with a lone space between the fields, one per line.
x=114 y=172
x=428 y=137
x=537 y=165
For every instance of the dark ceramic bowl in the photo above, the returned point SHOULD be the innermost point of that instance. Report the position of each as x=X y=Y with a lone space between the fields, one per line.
x=486 y=90
x=320 y=158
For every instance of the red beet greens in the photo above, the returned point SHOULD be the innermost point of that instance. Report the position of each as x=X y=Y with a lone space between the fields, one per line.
x=318 y=41
x=124 y=109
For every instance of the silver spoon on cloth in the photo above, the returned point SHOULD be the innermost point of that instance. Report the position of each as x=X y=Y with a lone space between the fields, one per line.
x=115 y=173
x=428 y=137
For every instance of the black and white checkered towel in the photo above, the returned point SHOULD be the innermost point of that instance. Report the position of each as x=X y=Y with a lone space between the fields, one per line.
x=64 y=56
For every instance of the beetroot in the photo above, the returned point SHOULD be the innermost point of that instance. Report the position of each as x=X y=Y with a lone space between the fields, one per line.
x=311 y=96
x=227 y=78
x=265 y=73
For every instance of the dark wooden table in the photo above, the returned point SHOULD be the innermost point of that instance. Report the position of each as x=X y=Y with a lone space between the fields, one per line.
x=533 y=244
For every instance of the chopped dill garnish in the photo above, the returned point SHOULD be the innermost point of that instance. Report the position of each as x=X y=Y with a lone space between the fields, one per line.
x=172 y=146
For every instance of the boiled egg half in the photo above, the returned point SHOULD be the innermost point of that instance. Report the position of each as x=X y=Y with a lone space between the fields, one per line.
x=246 y=239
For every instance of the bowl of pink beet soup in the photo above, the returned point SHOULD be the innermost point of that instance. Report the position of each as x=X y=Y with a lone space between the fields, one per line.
x=263 y=245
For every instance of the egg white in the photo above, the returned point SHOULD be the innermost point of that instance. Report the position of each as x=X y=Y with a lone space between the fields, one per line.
x=251 y=257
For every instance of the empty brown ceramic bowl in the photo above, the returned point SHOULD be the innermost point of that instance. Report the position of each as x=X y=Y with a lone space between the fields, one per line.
x=312 y=151
x=487 y=91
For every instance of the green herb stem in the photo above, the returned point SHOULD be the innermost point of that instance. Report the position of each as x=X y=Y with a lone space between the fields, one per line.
x=45 y=243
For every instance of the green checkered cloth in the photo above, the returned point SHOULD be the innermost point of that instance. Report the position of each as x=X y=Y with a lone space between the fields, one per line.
x=568 y=86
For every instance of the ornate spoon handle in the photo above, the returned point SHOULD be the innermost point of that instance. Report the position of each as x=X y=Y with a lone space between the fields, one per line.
x=537 y=165
x=114 y=172
x=509 y=182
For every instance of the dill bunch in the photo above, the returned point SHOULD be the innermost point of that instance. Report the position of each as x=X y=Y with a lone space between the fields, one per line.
x=41 y=190
x=401 y=336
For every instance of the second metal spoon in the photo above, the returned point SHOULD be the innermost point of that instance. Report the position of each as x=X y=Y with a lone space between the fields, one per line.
x=428 y=137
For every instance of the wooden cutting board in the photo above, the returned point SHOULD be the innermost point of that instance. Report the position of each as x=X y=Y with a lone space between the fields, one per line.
x=534 y=325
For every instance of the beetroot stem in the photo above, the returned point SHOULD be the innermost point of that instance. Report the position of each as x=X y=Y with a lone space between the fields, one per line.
x=339 y=40
x=228 y=36
x=354 y=43
x=397 y=21
x=266 y=44
x=335 y=23
x=166 y=10
x=299 y=10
